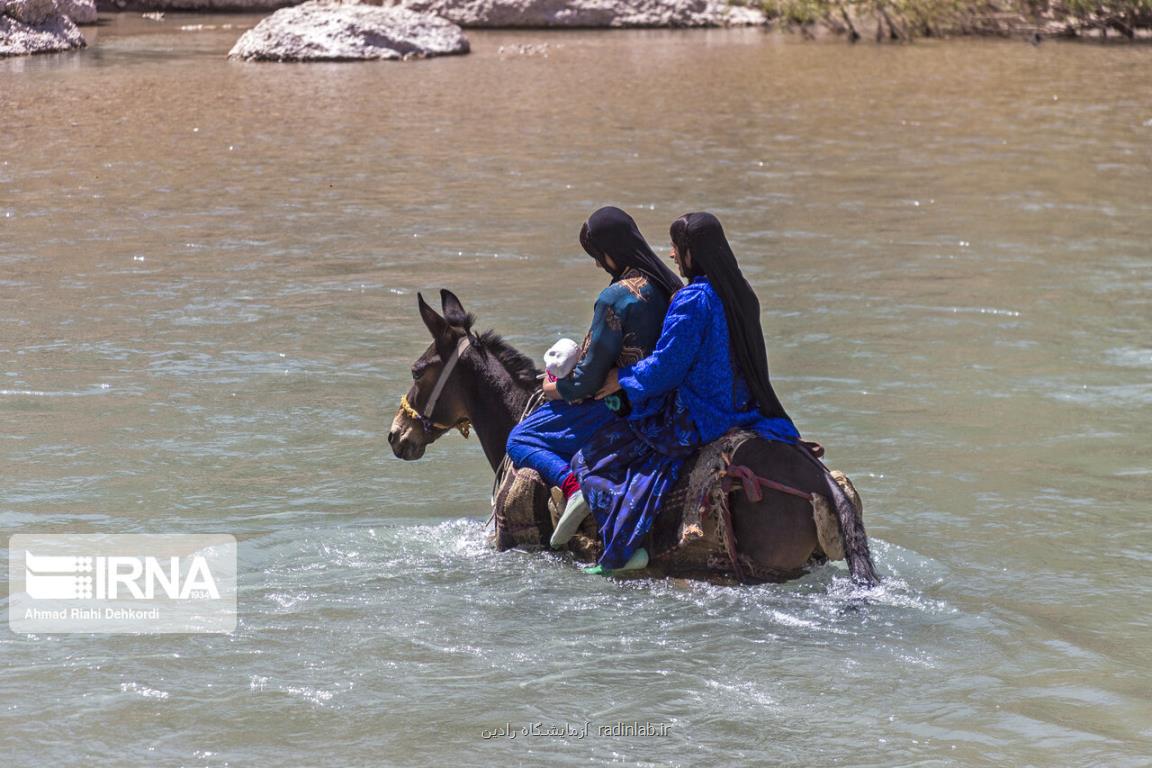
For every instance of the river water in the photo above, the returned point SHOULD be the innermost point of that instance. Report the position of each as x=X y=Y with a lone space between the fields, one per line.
x=208 y=278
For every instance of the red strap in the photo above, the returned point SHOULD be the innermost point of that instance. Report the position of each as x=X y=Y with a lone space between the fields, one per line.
x=746 y=477
x=730 y=541
x=752 y=483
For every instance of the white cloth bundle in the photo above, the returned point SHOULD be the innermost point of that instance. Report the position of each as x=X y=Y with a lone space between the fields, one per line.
x=561 y=358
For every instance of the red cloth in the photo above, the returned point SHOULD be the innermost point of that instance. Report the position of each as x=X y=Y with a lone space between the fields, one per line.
x=570 y=486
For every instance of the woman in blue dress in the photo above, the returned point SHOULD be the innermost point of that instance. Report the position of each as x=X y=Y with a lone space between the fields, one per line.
x=707 y=375
x=625 y=325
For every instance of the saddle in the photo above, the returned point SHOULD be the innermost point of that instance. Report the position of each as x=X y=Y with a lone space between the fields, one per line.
x=694 y=532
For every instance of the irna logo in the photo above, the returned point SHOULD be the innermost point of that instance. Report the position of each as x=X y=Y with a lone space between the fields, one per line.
x=132 y=582
x=56 y=577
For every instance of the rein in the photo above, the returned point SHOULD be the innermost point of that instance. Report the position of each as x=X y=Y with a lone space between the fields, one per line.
x=464 y=425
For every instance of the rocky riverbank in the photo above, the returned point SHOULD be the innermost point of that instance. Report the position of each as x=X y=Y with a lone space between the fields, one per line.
x=883 y=20
x=905 y=20
x=513 y=13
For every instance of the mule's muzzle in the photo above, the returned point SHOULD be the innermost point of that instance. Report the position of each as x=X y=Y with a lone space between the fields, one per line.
x=407 y=439
x=407 y=450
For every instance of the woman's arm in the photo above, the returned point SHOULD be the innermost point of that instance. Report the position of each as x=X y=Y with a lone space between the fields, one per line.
x=680 y=339
x=606 y=340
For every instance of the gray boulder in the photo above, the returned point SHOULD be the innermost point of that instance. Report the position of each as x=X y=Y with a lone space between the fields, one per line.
x=327 y=31
x=80 y=11
x=36 y=26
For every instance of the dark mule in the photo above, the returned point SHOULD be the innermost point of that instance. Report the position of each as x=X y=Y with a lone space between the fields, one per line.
x=488 y=386
x=723 y=518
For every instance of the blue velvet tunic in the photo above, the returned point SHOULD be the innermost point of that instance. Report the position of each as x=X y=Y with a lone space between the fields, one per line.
x=694 y=360
x=686 y=394
x=625 y=325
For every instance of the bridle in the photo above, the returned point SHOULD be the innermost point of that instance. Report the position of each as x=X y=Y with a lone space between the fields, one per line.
x=464 y=424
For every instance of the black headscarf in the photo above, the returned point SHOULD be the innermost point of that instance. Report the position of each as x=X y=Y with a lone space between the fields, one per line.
x=701 y=236
x=610 y=231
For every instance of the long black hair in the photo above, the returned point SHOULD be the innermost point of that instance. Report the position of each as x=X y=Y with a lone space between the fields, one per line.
x=700 y=236
x=612 y=232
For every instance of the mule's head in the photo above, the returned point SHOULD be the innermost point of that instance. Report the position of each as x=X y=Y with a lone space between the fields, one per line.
x=437 y=401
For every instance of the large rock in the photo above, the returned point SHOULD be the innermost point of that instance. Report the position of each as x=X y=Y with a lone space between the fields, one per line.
x=588 y=13
x=326 y=31
x=48 y=32
x=80 y=11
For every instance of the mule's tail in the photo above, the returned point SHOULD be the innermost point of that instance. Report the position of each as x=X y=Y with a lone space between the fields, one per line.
x=856 y=550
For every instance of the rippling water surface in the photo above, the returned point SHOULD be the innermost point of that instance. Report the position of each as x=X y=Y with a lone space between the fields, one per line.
x=208 y=277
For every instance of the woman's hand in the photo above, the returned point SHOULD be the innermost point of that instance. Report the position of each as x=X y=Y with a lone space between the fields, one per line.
x=611 y=384
x=550 y=391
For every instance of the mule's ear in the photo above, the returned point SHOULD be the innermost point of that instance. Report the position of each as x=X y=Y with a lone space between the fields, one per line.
x=454 y=311
x=435 y=324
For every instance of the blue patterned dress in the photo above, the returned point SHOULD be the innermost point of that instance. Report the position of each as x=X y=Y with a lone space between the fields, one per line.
x=685 y=394
x=625 y=326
